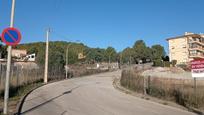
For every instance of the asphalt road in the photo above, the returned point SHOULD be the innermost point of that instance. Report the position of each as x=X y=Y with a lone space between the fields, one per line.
x=91 y=95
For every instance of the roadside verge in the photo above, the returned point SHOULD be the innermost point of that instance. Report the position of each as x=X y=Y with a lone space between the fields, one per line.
x=117 y=85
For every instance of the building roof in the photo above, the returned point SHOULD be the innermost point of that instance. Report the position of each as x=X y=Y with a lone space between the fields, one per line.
x=191 y=35
x=19 y=50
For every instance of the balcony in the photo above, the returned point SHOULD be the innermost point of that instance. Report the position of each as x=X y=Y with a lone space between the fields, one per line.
x=196 y=48
x=197 y=41
x=196 y=55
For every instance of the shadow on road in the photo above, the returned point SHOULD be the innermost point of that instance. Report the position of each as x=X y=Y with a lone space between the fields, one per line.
x=46 y=102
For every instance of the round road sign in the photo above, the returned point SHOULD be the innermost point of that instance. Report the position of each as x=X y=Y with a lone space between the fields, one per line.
x=11 y=36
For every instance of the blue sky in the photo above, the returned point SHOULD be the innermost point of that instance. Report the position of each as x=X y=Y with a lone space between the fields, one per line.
x=102 y=23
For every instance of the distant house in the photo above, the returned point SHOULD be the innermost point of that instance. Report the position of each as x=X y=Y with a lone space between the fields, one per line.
x=18 y=53
x=21 y=55
x=30 y=57
x=81 y=56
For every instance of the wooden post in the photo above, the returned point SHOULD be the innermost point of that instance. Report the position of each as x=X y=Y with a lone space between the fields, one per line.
x=148 y=84
x=144 y=86
x=195 y=86
x=195 y=89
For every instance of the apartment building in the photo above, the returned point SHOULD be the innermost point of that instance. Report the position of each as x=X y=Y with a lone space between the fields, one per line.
x=186 y=47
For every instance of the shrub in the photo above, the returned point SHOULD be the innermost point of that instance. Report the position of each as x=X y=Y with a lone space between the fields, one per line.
x=173 y=62
x=157 y=63
x=166 y=64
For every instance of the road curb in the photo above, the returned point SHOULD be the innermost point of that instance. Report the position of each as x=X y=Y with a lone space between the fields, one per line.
x=22 y=100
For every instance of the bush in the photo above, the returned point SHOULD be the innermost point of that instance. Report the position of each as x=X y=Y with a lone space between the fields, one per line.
x=173 y=62
x=166 y=64
x=157 y=63
x=160 y=63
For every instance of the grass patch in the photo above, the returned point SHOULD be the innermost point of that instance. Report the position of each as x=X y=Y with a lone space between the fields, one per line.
x=15 y=94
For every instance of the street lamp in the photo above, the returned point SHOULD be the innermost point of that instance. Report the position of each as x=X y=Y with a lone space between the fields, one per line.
x=66 y=67
x=67 y=52
x=110 y=58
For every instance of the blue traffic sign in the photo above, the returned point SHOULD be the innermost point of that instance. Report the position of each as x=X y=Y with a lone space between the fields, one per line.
x=11 y=36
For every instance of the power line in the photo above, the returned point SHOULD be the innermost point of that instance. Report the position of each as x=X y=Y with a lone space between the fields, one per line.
x=64 y=37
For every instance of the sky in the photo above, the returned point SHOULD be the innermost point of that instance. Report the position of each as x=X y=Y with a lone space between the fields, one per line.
x=103 y=23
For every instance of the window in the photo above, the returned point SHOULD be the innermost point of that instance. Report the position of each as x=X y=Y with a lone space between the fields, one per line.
x=193 y=52
x=192 y=45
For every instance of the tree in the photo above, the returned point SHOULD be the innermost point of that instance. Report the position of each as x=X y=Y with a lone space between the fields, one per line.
x=141 y=52
x=110 y=54
x=95 y=54
x=3 y=51
x=127 y=54
x=165 y=58
x=157 y=52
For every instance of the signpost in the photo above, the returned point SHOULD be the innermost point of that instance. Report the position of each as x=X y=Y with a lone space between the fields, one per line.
x=10 y=36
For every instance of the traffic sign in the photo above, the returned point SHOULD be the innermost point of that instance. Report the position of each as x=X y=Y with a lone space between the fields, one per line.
x=11 y=36
x=197 y=68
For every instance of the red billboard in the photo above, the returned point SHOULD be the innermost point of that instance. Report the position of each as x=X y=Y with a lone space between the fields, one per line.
x=197 y=68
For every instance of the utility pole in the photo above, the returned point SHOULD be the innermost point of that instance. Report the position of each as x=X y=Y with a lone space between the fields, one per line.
x=121 y=58
x=46 y=55
x=109 y=62
x=6 y=94
x=109 y=59
x=67 y=61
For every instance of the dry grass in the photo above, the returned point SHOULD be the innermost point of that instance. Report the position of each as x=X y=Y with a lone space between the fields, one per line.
x=81 y=70
x=179 y=90
x=132 y=80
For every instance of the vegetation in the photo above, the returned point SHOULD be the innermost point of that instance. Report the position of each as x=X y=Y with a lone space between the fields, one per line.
x=180 y=91
x=140 y=51
x=174 y=62
x=3 y=52
x=15 y=95
x=57 y=50
x=126 y=55
x=132 y=80
x=157 y=52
